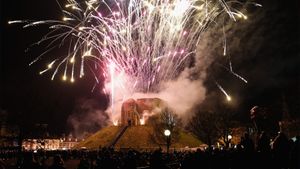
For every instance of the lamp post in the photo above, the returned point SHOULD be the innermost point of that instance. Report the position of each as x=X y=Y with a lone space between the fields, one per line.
x=229 y=140
x=167 y=133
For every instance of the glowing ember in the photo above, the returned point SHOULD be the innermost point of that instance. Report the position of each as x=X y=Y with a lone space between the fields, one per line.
x=115 y=122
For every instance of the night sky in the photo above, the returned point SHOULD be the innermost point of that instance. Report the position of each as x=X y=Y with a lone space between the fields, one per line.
x=267 y=56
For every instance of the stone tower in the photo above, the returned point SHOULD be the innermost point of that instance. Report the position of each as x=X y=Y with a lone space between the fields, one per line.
x=133 y=111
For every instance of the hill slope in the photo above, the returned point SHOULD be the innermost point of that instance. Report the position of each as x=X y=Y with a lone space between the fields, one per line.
x=100 y=139
x=137 y=137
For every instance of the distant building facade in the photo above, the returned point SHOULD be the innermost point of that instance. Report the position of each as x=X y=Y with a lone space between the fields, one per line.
x=49 y=144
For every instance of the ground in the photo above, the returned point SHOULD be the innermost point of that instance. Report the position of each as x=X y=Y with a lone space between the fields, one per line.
x=137 y=137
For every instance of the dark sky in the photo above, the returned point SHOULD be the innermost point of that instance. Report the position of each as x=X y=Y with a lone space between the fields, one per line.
x=268 y=56
x=24 y=93
x=265 y=51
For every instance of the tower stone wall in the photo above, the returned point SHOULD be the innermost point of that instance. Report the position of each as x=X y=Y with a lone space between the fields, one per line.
x=134 y=110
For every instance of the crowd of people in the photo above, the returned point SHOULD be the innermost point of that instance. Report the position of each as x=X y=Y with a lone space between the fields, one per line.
x=281 y=153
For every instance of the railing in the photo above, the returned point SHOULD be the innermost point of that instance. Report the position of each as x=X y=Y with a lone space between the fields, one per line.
x=119 y=135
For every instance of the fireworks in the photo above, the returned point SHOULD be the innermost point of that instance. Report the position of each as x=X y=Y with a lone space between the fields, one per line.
x=147 y=41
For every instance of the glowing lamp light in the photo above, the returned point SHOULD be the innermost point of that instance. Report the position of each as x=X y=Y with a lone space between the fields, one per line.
x=229 y=137
x=167 y=132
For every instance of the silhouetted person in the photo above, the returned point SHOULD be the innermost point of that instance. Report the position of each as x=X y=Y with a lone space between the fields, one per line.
x=263 y=154
x=156 y=161
x=263 y=143
x=248 y=151
x=2 y=165
x=130 y=161
x=295 y=154
x=281 y=149
x=106 y=160
x=57 y=163
x=188 y=161
x=29 y=162
x=84 y=164
x=247 y=143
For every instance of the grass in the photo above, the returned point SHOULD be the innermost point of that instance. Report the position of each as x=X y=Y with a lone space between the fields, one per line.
x=100 y=139
x=137 y=137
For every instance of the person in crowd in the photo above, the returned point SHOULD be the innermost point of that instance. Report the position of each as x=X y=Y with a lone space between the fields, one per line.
x=295 y=154
x=29 y=162
x=263 y=143
x=247 y=143
x=57 y=163
x=156 y=160
x=281 y=151
x=84 y=163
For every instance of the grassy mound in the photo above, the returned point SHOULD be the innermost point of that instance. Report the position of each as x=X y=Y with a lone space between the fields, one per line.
x=137 y=137
x=100 y=139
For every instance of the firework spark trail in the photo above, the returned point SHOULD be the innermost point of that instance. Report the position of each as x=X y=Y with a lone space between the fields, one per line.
x=112 y=73
x=225 y=93
x=149 y=41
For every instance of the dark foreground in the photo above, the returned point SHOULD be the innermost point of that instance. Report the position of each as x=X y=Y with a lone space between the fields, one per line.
x=284 y=154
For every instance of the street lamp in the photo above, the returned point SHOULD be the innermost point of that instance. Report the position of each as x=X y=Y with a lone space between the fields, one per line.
x=229 y=140
x=167 y=133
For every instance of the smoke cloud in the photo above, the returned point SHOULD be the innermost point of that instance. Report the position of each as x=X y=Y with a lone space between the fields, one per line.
x=182 y=94
x=87 y=117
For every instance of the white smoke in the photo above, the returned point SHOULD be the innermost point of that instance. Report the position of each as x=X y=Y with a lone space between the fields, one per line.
x=87 y=118
x=187 y=91
x=182 y=94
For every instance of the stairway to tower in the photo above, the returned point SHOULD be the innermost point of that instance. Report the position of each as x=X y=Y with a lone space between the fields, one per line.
x=118 y=136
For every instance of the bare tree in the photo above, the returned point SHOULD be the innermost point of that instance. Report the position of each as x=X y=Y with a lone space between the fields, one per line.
x=166 y=120
x=205 y=126
x=225 y=125
x=264 y=120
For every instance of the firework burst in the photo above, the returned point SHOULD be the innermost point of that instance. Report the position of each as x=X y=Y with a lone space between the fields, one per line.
x=147 y=41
